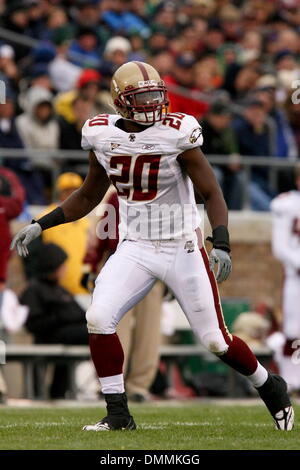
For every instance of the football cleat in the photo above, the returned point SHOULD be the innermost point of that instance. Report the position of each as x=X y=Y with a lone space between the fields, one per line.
x=109 y=424
x=284 y=419
x=275 y=396
x=118 y=416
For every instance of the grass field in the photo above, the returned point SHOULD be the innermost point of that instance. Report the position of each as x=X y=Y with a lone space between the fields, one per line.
x=188 y=427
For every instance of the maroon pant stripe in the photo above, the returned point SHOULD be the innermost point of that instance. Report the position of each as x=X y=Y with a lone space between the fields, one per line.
x=214 y=289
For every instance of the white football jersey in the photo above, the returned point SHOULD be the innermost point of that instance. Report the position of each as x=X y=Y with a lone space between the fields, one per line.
x=156 y=197
x=286 y=231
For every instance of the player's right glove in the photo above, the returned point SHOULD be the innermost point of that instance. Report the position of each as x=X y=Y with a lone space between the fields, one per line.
x=219 y=255
x=25 y=236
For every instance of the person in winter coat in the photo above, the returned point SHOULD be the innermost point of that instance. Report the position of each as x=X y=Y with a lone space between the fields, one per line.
x=37 y=125
x=89 y=87
x=12 y=197
x=11 y=139
x=54 y=316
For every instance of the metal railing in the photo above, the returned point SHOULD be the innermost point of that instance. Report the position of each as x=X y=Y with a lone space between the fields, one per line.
x=55 y=158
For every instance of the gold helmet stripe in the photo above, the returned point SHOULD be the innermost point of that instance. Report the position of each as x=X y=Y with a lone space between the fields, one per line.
x=143 y=70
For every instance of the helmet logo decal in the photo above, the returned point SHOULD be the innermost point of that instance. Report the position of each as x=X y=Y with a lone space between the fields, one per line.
x=132 y=137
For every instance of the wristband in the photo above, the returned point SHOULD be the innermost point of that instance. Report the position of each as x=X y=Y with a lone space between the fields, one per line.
x=55 y=217
x=220 y=238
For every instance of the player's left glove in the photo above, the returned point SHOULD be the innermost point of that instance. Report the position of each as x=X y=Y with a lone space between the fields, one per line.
x=222 y=259
x=25 y=236
x=219 y=255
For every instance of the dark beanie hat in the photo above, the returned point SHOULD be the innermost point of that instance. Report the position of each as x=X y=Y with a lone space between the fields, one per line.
x=50 y=258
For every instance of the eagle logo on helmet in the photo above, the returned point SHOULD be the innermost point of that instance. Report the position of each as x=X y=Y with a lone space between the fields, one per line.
x=138 y=93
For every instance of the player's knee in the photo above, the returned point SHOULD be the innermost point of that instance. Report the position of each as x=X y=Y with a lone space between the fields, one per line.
x=215 y=342
x=100 y=319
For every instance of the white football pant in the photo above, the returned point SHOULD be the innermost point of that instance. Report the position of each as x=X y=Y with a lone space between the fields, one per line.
x=131 y=271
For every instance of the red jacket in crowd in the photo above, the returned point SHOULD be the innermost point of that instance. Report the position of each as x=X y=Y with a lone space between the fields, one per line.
x=184 y=104
x=12 y=196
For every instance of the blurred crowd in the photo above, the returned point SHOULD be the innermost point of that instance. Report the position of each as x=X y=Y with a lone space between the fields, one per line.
x=233 y=64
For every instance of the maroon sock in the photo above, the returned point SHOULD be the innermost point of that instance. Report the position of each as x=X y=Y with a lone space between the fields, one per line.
x=240 y=357
x=107 y=354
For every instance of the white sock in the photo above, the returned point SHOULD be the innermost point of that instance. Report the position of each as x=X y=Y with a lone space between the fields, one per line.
x=112 y=384
x=259 y=377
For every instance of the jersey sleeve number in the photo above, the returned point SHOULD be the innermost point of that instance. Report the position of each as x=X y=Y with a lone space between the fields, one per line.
x=173 y=120
x=140 y=193
x=100 y=120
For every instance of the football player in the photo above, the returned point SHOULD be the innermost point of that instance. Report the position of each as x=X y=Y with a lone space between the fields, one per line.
x=286 y=247
x=153 y=159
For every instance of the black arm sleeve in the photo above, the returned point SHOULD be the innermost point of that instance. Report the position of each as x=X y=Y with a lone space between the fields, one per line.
x=55 y=217
x=220 y=238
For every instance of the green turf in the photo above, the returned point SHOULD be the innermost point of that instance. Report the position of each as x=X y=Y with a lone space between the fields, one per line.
x=196 y=426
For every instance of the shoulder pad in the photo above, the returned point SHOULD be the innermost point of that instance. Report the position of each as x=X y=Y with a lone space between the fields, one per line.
x=191 y=133
x=93 y=128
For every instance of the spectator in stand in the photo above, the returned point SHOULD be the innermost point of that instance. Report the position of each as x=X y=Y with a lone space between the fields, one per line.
x=12 y=197
x=181 y=85
x=158 y=41
x=16 y=20
x=36 y=13
x=84 y=49
x=214 y=39
x=208 y=74
x=292 y=108
x=165 y=16
x=37 y=126
x=11 y=139
x=89 y=88
x=257 y=137
x=57 y=22
x=116 y=53
x=286 y=146
x=266 y=93
x=64 y=75
x=163 y=62
x=137 y=48
x=121 y=20
x=39 y=76
x=61 y=235
x=8 y=70
x=54 y=315
x=245 y=81
x=70 y=132
x=230 y=17
x=87 y=13
x=288 y=70
x=220 y=139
